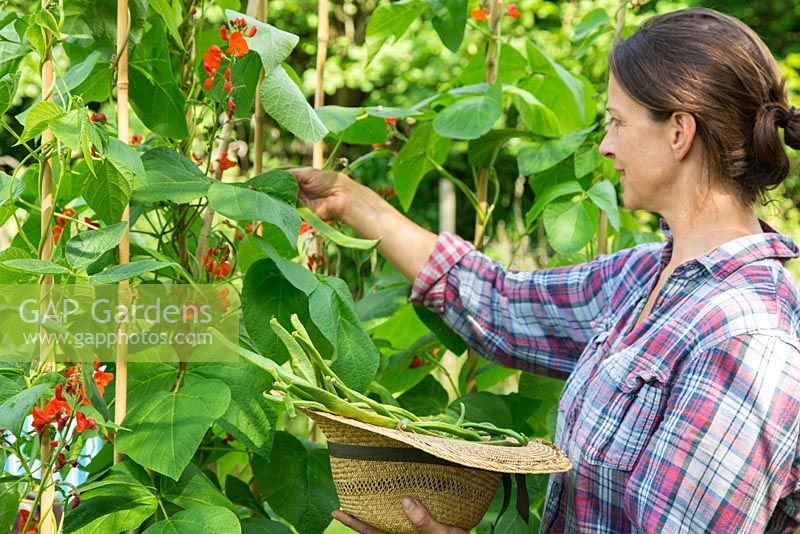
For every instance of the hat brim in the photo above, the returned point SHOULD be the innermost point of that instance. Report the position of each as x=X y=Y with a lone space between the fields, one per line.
x=538 y=456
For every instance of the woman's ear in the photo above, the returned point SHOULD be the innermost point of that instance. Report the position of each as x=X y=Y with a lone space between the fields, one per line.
x=683 y=130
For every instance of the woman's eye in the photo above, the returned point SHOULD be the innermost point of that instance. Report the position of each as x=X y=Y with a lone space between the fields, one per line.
x=611 y=121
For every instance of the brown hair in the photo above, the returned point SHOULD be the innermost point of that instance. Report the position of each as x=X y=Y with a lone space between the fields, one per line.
x=718 y=69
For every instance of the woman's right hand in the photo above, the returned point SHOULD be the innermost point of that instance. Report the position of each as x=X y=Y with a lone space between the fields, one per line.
x=324 y=192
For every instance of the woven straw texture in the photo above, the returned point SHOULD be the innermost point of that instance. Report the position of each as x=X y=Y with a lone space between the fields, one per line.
x=457 y=496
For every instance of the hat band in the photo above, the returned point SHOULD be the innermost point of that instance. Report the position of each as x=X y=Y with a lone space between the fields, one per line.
x=386 y=454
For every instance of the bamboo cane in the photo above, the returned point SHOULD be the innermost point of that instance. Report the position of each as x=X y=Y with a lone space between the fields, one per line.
x=492 y=58
x=123 y=133
x=258 y=133
x=47 y=518
x=319 y=94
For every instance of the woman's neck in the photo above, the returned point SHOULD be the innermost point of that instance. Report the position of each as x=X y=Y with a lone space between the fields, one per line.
x=719 y=219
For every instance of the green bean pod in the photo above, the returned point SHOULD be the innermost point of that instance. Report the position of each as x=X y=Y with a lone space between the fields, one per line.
x=301 y=365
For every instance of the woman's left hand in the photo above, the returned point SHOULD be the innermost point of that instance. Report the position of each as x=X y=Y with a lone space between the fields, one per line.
x=419 y=515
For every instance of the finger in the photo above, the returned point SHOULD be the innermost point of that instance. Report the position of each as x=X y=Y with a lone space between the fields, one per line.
x=303 y=174
x=421 y=518
x=355 y=524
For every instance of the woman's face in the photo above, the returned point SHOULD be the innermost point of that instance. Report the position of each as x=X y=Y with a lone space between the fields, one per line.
x=641 y=151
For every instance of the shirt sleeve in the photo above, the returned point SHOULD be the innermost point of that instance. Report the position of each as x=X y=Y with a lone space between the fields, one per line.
x=538 y=321
x=724 y=455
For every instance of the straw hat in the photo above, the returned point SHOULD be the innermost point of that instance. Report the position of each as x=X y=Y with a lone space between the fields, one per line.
x=374 y=467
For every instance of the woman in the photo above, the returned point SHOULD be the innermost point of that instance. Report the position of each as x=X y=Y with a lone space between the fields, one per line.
x=682 y=358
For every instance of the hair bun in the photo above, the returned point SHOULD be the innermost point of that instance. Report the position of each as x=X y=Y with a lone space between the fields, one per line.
x=791 y=128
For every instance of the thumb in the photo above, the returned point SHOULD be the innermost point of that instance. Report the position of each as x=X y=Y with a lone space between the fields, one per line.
x=420 y=517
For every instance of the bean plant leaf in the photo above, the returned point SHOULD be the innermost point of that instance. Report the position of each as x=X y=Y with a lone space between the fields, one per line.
x=353 y=125
x=471 y=117
x=481 y=150
x=125 y=159
x=550 y=194
x=118 y=502
x=8 y=88
x=604 y=197
x=590 y=22
x=86 y=247
x=15 y=408
x=279 y=184
x=391 y=20
x=171 y=14
x=205 y=520
x=426 y=398
x=166 y=429
x=355 y=359
x=170 y=176
x=297 y=484
x=570 y=225
x=272 y=44
x=412 y=164
x=35 y=266
x=107 y=191
x=193 y=490
x=39 y=118
x=10 y=189
x=9 y=503
x=250 y=418
x=537 y=117
x=243 y=203
x=12 y=276
x=449 y=20
x=541 y=155
x=154 y=94
x=284 y=102
x=126 y=271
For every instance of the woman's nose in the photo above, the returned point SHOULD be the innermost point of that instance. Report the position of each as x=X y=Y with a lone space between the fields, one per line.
x=606 y=148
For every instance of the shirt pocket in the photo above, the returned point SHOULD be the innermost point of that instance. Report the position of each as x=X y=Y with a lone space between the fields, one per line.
x=621 y=408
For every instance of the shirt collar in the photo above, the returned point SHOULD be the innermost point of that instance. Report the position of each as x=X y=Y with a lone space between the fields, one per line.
x=734 y=254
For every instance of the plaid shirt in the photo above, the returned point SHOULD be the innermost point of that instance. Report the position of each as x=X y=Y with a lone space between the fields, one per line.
x=686 y=423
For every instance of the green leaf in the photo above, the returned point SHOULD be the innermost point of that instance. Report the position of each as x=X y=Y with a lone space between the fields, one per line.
x=297 y=484
x=353 y=125
x=411 y=165
x=391 y=20
x=272 y=44
x=550 y=194
x=11 y=276
x=452 y=341
x=154 y=93
x=8 y=88
x=266 y=293
x=10 y=189
x=171 y=176
x=250 y=417
x=587 y=161
x=125 y=159
x=259 y=525
x=118 y=502
x=483 y=407
x=590 y=22
x=86 y=247
x=17 y=407
x=335 y=235
x=541 y=155
x=107 y=191
x=205 y=520
x=480 y=151
x=171 y=13
x=471 y=117
x=9 y=503
x=166 y=429
x=355 y=359
x=39 y=118
x=118 y=273
x=244 y=76
x=279 y=184
x=193 y=490
x=35 y=266
x=570 y=225
x=239 y=202
x=426 y=398
x=537 y=117
x=449 y=20
x=285 y=103
x=559 y=90
x=604 y=197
